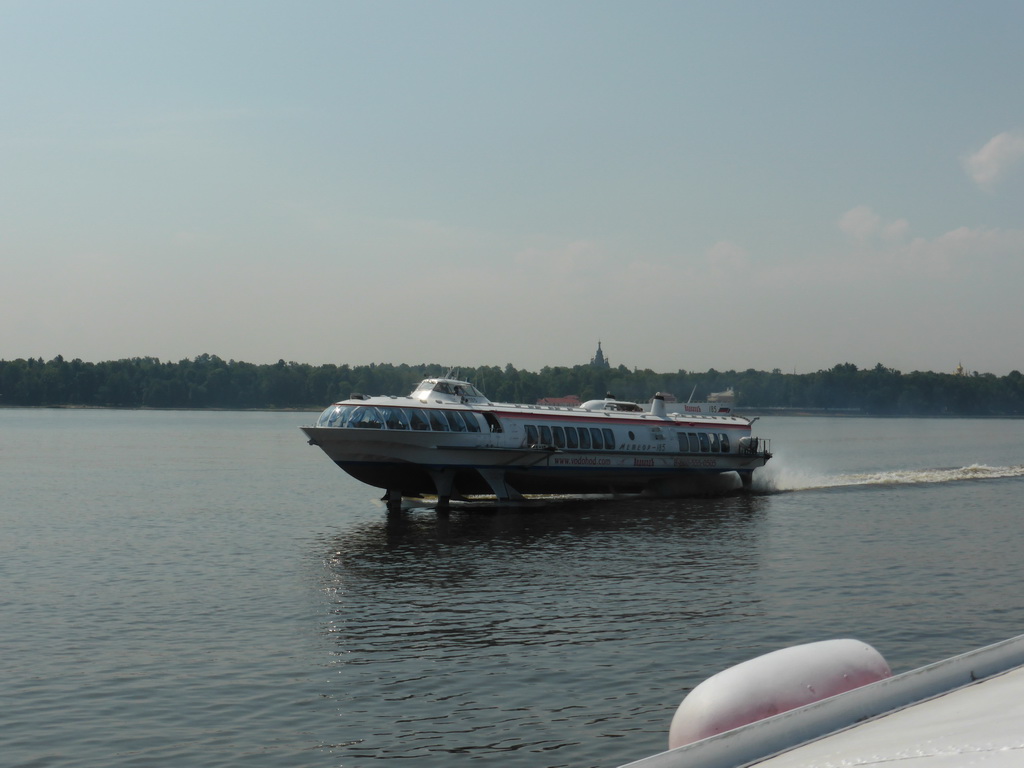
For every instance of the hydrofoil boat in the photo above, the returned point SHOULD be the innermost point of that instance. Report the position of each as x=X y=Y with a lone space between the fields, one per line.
x=447 y=439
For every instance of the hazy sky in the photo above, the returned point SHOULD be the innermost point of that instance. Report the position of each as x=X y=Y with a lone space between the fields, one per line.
x=697 y=184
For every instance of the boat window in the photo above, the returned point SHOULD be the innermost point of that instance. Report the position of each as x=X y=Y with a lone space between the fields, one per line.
x=492 y=422
x=334 y=416
x=584 y=438
x=456 y=422
x=437 y=422
x=545 y=435
x=395 y=418
x=571 y=440
x=705 y=444
x=609 y=438
x=418 y=419
x=366 y=417
x=443 y=387
x=345 y=416
x=349 y=419
x=472 y=422
x=714 y=442
x=684 y=444
x=694 y=442
x=531 y=435
x=725 y=442
x=595 y=437
x=559 y=434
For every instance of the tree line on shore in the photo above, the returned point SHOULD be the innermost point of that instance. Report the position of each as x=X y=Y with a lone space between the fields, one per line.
x=207 y=381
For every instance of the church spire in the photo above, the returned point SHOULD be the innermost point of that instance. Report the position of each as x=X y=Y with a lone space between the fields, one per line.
x=598 y=360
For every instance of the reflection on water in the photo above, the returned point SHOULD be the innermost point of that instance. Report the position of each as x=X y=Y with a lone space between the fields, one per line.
x=419 y=543
x=470 y=623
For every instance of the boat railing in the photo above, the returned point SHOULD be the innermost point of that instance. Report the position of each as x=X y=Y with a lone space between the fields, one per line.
x=674 y=417
x=755 y=446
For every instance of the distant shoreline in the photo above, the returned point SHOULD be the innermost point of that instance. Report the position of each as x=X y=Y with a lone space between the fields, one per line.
x=758 y=412
x=208 y=382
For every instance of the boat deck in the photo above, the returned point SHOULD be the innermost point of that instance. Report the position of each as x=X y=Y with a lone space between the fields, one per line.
x=980 y=724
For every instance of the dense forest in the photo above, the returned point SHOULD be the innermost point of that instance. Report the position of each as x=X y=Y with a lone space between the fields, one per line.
x=210 y=382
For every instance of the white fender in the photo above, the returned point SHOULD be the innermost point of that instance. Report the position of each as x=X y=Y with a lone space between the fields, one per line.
x=774 y=683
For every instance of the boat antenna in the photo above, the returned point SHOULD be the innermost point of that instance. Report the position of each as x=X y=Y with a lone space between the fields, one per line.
x=692 y=394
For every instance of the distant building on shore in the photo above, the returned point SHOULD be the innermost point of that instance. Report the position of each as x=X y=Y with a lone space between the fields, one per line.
x=599 y=360
x=727 y=396
x=571 y=401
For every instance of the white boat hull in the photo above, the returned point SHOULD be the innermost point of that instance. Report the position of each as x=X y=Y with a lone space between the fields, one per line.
x=450 y=447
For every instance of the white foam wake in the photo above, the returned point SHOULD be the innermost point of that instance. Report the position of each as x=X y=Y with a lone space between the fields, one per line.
x=786 y=479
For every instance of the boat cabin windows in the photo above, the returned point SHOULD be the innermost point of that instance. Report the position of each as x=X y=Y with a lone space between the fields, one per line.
x=329 y=418
x=703 y=442
x=571 y=438
x=395 y=418
x=438 y=422
x=450 y=388
x=466 y=421
x=366 y=418
x=455 y=421
x=416 y=419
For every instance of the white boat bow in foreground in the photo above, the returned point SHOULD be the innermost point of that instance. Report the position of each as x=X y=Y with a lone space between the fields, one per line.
x=967 y=710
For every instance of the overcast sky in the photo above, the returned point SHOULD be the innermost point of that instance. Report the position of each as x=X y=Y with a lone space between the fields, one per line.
x=697 y=184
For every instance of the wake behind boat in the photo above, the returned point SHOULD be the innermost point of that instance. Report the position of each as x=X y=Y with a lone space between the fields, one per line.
x=447 y=439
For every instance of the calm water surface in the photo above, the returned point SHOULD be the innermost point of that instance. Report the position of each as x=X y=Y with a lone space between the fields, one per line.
x=204 y=589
